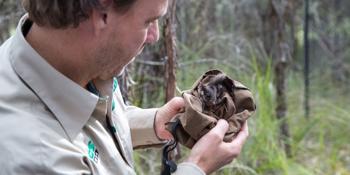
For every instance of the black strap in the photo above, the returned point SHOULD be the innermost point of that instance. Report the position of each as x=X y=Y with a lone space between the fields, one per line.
x=168 y=165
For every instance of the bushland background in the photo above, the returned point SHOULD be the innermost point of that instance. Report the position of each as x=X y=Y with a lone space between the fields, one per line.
x=301 y=126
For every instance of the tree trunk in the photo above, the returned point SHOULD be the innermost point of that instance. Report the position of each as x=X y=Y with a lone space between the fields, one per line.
x=306 y=60
x=276 y=45
x=170 y=48
x=170 y=44
x=281 y=108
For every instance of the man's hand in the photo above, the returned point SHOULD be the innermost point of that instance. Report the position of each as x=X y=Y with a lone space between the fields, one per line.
x=165 y=114
x=211 y=152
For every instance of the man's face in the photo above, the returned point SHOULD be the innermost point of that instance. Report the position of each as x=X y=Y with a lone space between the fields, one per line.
x=126 y=35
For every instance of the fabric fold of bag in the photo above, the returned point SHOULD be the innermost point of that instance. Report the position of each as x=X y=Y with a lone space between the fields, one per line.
x=213 y=96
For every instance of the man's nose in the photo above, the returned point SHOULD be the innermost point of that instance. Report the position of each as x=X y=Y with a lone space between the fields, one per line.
x=153 y=33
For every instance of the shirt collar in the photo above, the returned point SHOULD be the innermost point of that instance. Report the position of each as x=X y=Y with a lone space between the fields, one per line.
x=70 y=103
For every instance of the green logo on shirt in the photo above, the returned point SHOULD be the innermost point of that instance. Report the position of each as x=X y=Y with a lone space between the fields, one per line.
x=92 y=151
x=115 y=84
x=113 y=104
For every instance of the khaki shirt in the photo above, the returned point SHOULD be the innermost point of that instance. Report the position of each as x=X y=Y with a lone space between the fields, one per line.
x=51 y=125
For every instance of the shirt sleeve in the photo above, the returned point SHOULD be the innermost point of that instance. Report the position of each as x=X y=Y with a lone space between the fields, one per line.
x=141 y=122
x=188 y=168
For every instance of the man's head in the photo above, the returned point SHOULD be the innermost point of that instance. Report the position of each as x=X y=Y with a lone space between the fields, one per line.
x=68 y=13
x=112 y=32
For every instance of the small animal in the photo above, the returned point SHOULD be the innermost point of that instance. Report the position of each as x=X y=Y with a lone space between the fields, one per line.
x=211 y=90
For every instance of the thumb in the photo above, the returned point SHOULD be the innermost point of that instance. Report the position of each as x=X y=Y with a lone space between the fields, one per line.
x=165 y=114
x=170 y=109
x=220 y=129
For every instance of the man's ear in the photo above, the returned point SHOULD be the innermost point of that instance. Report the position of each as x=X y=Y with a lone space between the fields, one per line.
x=99 y=20
x=100 y=16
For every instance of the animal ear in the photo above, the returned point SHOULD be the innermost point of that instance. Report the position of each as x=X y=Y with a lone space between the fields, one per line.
x=228 y=83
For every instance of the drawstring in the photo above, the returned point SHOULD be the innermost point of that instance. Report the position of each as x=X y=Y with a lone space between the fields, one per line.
x=168 y=165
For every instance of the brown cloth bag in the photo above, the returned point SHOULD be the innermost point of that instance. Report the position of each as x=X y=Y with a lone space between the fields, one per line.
x=214 y=96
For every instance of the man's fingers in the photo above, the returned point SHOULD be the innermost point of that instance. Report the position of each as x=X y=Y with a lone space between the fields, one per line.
x=220 y=129
x=242 y=135
x=165 y=114
x=172 y=108
x=175 y=105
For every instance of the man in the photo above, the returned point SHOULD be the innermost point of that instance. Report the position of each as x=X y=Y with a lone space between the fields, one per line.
x=61 y=111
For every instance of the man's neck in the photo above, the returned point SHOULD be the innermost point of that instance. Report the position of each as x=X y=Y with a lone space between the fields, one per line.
x=62 y=49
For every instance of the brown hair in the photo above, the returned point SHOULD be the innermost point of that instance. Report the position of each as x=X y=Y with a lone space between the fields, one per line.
x=66 y=13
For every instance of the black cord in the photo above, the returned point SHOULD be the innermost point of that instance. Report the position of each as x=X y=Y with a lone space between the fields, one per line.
x=168 y=165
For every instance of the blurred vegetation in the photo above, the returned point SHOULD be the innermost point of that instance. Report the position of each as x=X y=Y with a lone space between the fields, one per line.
x=232 y=35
